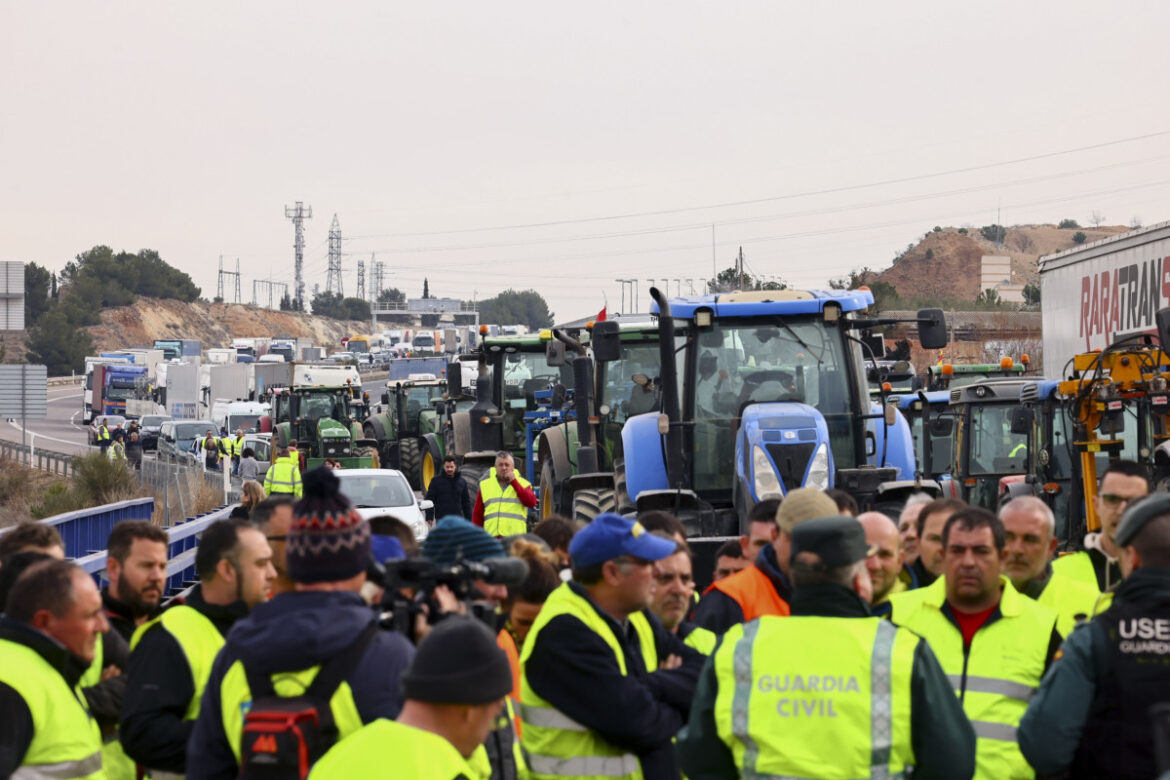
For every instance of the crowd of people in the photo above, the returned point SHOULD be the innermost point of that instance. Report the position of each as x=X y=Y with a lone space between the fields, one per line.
x=949 y=642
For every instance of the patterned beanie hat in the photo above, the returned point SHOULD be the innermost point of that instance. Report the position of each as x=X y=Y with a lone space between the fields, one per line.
x=328 y=541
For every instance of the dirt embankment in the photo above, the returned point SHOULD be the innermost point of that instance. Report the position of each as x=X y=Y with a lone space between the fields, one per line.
x=215 y=324
x=947 y=264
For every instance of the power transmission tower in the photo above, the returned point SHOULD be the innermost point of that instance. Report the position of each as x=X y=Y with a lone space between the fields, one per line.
x=361 y=279
x=298 y=214
x=222 y=274
x=379 y=277
x=270 y=286
x=334 y=272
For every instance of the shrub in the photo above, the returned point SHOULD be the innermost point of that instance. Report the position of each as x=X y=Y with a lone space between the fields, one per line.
x=962 y=231
x=929 y=254
x=1068 y=224
x=1079 y=237
x=992 y=232
x=937 y=229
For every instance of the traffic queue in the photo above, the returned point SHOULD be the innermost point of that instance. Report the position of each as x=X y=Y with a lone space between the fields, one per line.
x=948 y=642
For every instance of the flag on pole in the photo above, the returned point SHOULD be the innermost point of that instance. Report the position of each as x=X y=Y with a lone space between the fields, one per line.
x=601 y=314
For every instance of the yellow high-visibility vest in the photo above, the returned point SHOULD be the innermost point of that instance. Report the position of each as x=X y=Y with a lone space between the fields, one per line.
x=503 y=514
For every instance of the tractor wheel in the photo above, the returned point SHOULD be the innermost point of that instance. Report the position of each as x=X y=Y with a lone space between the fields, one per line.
x=410 y=461
x=371 y=453
x=622 y=496
x=548 y=497
x=588 y=504
x=429 y=468
x=472 y=474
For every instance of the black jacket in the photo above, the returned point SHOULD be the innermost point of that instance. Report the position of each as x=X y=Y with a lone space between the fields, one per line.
x=292 y=632
x=574 y=670
x=941 y=735
x=105 y=698
x=450 y=496
x=16 y=723
x=159 y=689
x=718 y=612
x=120 y=615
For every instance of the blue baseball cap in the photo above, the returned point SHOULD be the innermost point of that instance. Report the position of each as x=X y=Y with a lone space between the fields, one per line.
x=611 y=536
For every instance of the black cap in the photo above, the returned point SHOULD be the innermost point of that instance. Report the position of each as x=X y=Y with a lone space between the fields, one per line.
x=837 y=541
x=1138 y=514
x=458 y=663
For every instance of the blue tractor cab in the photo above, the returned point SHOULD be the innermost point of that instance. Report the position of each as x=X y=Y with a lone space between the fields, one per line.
x=932 y=427
x=770 y=395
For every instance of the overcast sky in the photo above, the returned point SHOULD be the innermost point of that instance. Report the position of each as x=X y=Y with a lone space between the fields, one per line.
x=559 y=146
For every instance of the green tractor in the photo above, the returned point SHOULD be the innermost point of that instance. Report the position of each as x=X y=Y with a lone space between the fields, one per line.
x=415 y=430
x=325 y=423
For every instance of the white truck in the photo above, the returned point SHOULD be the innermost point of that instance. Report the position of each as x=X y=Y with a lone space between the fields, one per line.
x=326 y=375
x=232 y=415
x=1095 y=294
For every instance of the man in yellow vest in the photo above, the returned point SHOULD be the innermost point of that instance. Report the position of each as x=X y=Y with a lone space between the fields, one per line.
x=47 y=641
x=504 y=499
x=284 y=475
x=604 y=687
x=291 y=638
x=830 y=691
x=993 y=643
x=103 y=435
x=1123 y=483
x=171 y=656
x=455 y=690
x=673 y=597
x=1029 y=544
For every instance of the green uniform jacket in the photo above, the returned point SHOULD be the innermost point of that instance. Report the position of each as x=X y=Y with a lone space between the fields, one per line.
x=942 y=737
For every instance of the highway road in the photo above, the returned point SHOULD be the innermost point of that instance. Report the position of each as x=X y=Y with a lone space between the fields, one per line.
x=61 y=431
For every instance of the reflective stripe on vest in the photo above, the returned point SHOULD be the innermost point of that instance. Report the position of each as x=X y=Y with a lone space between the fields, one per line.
x=283 y=477
x=754 y=592
x=235 y=700
x=66 y=740
x=816 y=697
x=503 y=513
x=555 y=745
x=199 y=639
x=998 y=674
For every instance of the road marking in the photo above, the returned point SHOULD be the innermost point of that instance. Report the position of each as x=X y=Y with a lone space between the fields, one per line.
x=16 y=425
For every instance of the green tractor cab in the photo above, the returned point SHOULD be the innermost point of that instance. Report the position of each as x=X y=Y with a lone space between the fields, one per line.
x=414 y=429
x=325 y=423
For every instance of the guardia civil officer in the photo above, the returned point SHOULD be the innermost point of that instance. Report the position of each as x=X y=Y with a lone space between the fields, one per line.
x=830 y=691
x=1091 y=716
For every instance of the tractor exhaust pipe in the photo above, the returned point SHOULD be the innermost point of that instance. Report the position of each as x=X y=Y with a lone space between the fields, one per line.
x=676 y=462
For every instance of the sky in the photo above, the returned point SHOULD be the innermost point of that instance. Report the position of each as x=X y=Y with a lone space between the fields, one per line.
x=560 y=147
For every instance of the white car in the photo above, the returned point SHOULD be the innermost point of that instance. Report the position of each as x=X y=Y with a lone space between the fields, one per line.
x=377 y=492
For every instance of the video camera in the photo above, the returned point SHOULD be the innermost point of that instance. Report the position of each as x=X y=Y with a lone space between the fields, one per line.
x=409 y=588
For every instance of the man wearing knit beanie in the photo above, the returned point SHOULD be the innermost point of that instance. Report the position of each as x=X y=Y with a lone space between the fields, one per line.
x=453 y=539
x=455 y=690
x=327 y=548
x=763 y=588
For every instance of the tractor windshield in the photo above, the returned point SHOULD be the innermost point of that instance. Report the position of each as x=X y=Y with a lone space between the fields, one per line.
x=525 y=373
x=763 y=360
x=631 y=382
x=316 y=406
x=994 y=449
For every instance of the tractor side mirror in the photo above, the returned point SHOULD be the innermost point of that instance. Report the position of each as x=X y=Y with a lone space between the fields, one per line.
x=606 y=342
x=1021 y=420
x=932 y=328
x=386 y=398
x=875 y=345
x=454 y=378
x=554 y=353
x=1162 y=320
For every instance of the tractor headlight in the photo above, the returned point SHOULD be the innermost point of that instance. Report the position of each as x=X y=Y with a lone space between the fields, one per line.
x=818 y=471
x=763 y=475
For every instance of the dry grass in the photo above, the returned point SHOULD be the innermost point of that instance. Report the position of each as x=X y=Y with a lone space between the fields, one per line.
x=22 y=488
x=191 y=496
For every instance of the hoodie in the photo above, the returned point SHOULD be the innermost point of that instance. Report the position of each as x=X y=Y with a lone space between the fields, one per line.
x=295 y=631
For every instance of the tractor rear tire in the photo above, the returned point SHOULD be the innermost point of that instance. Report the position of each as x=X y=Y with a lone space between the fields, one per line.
x=589 y=503
x=428 y=469
x=371 y=453
x=410 y=462
x=472 y=474
x=548 y=493
x=621 y=495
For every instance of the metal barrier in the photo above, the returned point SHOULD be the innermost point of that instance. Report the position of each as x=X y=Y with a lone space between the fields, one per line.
x=87 y=530
x=183 y=542
x=44 y=460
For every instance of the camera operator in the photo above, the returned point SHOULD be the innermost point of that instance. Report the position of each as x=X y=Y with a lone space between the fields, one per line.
x=295 y=634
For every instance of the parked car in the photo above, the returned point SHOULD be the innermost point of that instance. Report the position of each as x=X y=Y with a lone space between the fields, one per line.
x=176 y=437
x=377 y=492
x=110 y=420
x=149 y=426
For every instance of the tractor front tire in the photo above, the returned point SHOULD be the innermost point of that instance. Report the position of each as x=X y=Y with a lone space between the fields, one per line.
x=410 y=462
x=591 y=502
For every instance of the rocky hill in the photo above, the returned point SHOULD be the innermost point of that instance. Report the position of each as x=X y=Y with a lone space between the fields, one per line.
x=215 y=324
x=946 y=264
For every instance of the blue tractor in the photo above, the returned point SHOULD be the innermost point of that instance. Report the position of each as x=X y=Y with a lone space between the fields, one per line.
x=770 y=395
x=932 y=426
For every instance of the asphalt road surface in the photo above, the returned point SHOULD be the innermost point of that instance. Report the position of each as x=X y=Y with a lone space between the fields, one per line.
x=61 y=431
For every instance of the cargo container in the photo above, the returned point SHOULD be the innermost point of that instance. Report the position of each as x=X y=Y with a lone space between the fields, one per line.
x=1095 y=294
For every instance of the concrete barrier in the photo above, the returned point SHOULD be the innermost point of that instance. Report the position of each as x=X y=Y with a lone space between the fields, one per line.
x=58 y=381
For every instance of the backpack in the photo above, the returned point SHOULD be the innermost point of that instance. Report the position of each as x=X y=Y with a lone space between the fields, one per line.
x=284 y=736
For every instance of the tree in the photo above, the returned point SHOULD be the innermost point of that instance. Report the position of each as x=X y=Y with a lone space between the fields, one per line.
x=1031 y=294
x=117 y=278
x=1079 y=237
x=58 y=344
x=426 y=288
x=1068 y=224
x=513 y=307
x=331 y=304
x=1136 y=222
x=885 y=296
x=993 y=233
x=286 y=303
x=391 y=295
x=856 y=278
x=38 y=284
x=1096 y=218
x=989 y=298
x=730 y=279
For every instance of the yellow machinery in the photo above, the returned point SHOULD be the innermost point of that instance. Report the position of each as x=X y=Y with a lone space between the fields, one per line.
x=1103 y=385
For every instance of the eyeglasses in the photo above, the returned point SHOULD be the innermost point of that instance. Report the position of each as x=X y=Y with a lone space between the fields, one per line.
x=1112 y=499
x=280 y=538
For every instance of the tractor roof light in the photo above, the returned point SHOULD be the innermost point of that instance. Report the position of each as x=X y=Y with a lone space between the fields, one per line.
x=1006 y=363
x=1025 y=359
x=546 y=334
x=948 y=369
x=887 y=387
x=703 y=318
x=589 y=325
x=980 y=391
x=483 y=330
x=1052 y=488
